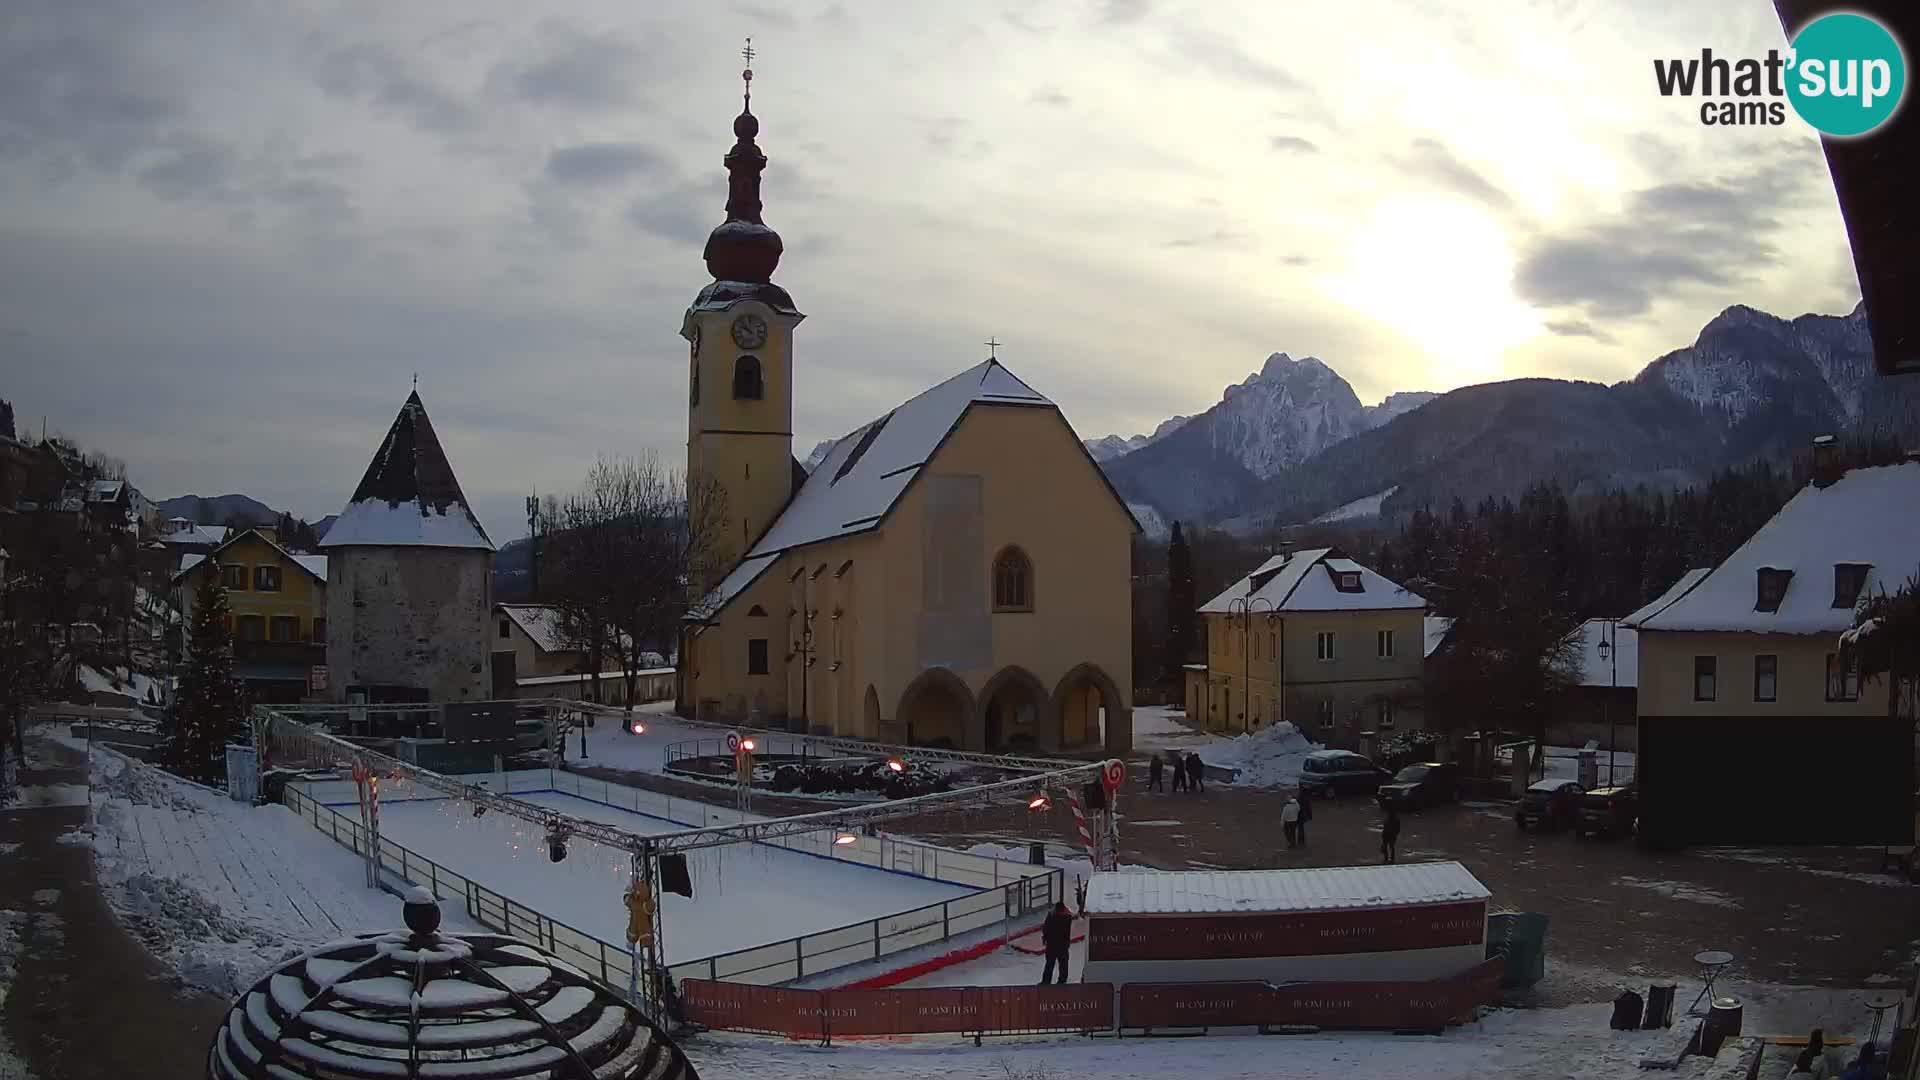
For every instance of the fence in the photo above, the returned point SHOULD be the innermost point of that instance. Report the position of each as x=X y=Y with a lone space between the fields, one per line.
x=798 y=746
x=1007 y=890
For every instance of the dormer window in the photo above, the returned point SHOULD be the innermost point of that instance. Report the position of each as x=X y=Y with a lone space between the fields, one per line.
x=1348 y=582
x=1772 y=588
x=1848 y=580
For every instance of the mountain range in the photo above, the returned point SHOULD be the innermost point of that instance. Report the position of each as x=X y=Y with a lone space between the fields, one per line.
x=228 y=510
x=1292 y=443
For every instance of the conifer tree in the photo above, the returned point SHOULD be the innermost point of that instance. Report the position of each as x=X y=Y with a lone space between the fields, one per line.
x=208 y=712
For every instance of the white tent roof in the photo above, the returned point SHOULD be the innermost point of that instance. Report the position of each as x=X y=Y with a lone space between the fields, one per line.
x=1301 y=582
x=1869 y=516
x=1170 y=892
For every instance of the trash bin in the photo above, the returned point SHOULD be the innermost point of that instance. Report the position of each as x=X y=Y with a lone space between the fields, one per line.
x=1722 y=1023
x=1520 y=937
x=1037 y=853
x=1659 y=1006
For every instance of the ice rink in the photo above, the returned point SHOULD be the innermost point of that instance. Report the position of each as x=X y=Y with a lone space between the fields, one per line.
x=743 y=894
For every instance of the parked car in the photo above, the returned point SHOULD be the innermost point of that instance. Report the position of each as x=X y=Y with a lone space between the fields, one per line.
x=1548 y=804
x=1327 y=773
x=1428 y=783
x=1608 y=811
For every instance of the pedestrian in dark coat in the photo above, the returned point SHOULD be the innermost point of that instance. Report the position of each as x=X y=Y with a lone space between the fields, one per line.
x=1155 y=767
x=1390 y=834
x=1057 y=935
x=1306 y=815
x=1179 y=767
x=1196 y=772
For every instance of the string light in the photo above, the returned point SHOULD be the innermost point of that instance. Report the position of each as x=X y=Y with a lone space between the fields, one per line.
x=845 y=838
x=1039 y=801
x=747 y=745
x=638 y=728
x=896 y=765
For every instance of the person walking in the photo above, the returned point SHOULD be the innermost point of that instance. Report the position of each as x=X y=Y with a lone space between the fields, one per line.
x=1290 y=822
x=1306 y=815
x=1155 y=767
x=1057 y=935
x=1196 y=772
x=1179 y=768
x=1390 y=834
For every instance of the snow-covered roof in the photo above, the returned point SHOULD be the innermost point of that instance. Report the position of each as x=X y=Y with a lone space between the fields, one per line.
x=1289 y=583
x=861 y=479
x=1157 y=892
x=409 y=496
x=312 y=564
x=546 y=626
x=198 y=534
x=1869 y=516
x=1437 y=629
x=1674 y=592
x=105 y=490
x=1621 y=668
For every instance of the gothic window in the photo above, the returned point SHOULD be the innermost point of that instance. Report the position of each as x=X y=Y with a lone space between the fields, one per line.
x=746 y=379
x=1012 y=581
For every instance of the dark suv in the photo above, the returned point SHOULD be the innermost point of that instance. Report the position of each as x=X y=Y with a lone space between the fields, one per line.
x=1608 y=811
x=1429 y=783
x=1548 y=804
x=1326 y=773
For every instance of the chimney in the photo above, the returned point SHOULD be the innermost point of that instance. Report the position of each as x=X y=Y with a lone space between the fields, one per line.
x=1826 y=460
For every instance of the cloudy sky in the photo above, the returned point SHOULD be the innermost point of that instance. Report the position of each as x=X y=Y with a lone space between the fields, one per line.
x=231 y=232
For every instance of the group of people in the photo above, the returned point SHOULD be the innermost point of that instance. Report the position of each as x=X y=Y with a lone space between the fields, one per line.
x=1189 y=773
x=1294 y=817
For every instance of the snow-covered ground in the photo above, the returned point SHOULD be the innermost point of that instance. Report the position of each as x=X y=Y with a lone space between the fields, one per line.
x=743 y=895
x=137 y=685
x=1269 y=757
x=221 y=890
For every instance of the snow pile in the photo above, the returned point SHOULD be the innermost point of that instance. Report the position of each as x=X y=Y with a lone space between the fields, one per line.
x=1270 y=757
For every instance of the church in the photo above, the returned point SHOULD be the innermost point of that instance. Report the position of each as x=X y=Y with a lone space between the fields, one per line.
x=954 y=573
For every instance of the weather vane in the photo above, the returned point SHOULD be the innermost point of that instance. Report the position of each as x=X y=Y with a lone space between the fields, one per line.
x=746 y=75
x=993 y=348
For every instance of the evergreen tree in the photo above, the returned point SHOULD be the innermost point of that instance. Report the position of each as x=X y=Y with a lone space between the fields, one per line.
x=1181 y=607
x=208 y=712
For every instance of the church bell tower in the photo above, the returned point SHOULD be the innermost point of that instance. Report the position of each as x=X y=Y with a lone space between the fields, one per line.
x=740 y=376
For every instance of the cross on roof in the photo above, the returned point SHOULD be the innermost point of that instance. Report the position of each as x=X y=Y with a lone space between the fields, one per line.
x=993 y=349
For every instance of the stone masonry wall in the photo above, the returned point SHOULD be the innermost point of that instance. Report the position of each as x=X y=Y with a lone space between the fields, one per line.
x=410 y=616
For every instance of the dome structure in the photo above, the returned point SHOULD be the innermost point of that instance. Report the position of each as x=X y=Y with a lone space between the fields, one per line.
x=424 y=1004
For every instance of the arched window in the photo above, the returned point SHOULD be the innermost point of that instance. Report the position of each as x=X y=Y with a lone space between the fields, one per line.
x=1012 y=581
x=746 y=379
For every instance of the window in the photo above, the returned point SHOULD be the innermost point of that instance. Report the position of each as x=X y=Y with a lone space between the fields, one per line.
x=757 y=656
x=1772 y=588
x=1384 y=712
x=505 y=629
x=234 y=576
x=1843 y=684
x=1012 y=581
x=266 y=579
x=250 y=628
x=1323 y=645
x=746 y=379
x=1384 y=641
x=1703 y=678
x=319 y=631
x=1766 y=678
x=1326 y=713
x=756 y=612
x=1848 y=580
x=283 y=628
x=1349 y=582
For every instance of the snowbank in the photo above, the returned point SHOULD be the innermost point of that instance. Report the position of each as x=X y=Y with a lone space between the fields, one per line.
x=1270 y=757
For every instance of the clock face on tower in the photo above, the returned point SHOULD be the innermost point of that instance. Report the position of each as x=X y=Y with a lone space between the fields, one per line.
x=749 y=331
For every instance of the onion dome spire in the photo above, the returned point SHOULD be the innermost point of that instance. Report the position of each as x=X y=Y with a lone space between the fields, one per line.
x=742 y=248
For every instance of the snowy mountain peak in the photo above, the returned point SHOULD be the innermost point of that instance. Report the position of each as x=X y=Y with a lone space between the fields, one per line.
x=1108 y=447
x=1745 y=360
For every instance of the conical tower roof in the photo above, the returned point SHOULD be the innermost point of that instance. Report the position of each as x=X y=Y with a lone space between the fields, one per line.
x=409 y=496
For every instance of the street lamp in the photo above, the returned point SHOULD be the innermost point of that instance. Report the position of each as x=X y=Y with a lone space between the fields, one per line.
x=1243 y=609
x=1611 y=656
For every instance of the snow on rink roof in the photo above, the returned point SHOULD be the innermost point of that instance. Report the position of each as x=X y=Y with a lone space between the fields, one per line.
x=1289 y=584
x=1168 y=892
x=1674 y=592
x=1869 y=516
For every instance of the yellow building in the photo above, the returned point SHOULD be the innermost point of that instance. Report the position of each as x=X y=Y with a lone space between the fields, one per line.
x=1742 y=691
x=278 y=601
x=1315 y=639
x=955 y=572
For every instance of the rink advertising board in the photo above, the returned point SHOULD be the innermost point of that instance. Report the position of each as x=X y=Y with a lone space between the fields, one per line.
x=824 y=1013
x=1285 y=933
x=1349 y=1006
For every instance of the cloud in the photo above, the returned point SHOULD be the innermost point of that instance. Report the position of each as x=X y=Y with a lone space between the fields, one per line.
x=1122 y=12
x=597 y=164
x=1431 y=158
x=1294 y=144
x=1718 y=233
x=1051 y=95
x=377 y=75
x=575 y=68
x=684 y=213
x=763 y=14
x=77 y=92
x=1580 y=328
x=192 y=169
x=1214 y=238
x=1222 y=57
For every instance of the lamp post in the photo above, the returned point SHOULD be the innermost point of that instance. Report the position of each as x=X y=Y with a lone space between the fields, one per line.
x=1243 y=609
x=1609 y=634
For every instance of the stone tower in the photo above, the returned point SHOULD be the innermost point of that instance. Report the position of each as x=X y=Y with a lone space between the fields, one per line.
x=740 y=329
x=409 y=578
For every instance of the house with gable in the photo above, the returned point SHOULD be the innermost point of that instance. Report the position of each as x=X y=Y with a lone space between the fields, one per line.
x=1751 y=729
x=277 y=603
x=956 y=572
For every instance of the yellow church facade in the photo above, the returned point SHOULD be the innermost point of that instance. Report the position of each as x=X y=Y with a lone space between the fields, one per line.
x=954 y=573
